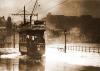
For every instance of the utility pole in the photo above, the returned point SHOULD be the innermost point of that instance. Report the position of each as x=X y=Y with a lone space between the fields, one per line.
x=65 y=40
x=24 y=16
x=31 y=14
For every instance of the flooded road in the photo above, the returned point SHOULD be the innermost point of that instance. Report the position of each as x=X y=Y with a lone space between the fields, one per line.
x=54 y=61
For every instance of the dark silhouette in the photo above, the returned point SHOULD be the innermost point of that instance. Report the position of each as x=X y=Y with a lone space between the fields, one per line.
x=89 y=26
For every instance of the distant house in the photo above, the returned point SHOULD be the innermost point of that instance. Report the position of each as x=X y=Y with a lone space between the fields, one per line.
x=7 y=32
x=2 y=31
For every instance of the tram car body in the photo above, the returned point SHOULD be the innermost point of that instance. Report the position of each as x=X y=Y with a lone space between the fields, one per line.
x=34 y=40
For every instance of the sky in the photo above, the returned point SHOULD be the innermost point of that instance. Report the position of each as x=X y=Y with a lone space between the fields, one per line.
x=62 y=7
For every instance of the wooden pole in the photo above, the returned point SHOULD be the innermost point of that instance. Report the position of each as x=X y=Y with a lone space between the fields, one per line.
x=24 y=16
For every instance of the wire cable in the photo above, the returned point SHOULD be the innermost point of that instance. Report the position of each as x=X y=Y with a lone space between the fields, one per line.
x=55 y=6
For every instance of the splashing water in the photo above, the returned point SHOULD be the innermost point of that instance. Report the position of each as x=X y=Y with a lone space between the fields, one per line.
x=71 y=57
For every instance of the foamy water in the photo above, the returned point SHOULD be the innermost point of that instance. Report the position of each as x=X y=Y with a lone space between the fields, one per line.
x=54 y=55
x=9 y=52
x=73 y=57
x=54 y=60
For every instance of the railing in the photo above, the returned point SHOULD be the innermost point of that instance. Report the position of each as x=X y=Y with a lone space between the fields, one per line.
x=82 y=47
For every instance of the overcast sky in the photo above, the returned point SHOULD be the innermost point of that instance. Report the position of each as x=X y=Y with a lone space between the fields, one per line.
x=64 y=7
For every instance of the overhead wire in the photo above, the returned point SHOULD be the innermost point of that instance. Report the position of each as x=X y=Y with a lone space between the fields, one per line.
x=54 y=6
x=30 y=2
x=29 y=5
x=48 y=2
x=20 y=10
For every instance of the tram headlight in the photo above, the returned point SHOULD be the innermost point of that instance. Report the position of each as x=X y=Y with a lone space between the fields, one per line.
x=38 y=49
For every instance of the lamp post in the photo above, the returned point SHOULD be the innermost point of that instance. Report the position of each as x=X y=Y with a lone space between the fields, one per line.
x=14 y=35
x=65 y=40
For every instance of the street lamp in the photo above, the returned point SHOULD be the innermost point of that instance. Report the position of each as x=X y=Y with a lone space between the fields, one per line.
x=65 y=40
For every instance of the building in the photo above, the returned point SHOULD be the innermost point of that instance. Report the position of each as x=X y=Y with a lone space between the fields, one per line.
x=89 y=27
x=8 y=33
